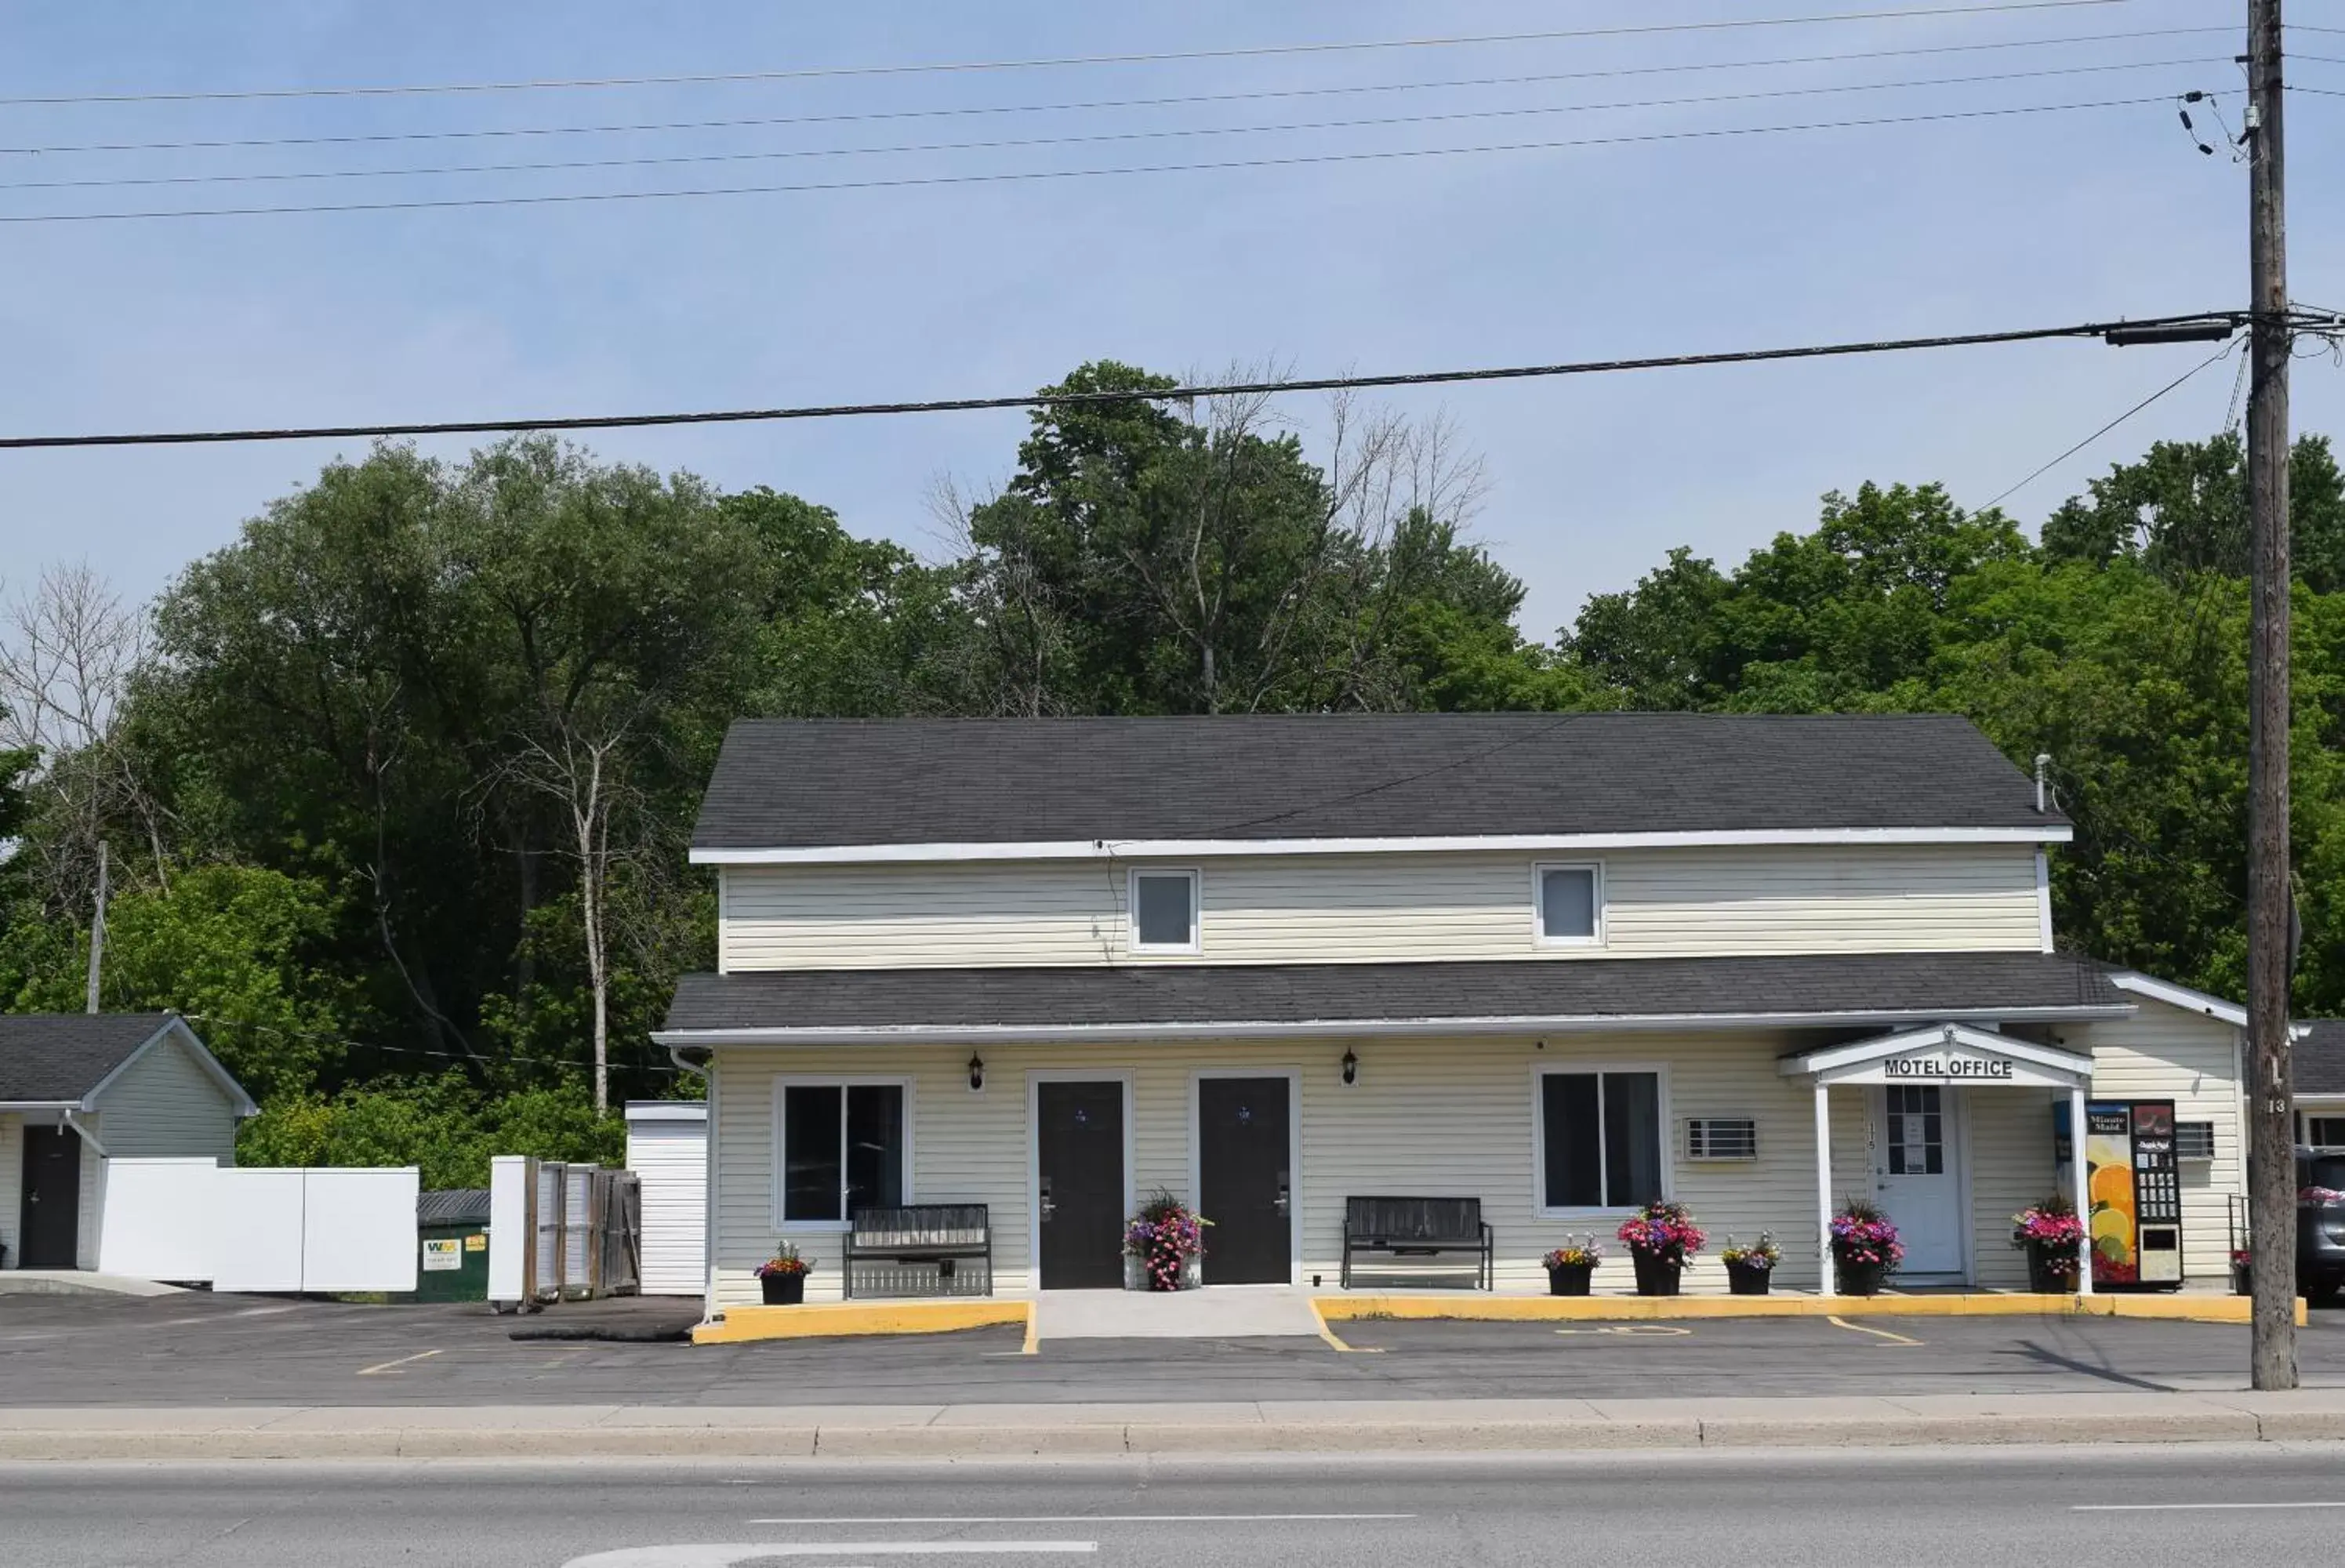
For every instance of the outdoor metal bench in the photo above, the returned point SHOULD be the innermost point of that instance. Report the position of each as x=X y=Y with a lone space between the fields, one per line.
x=917 y=1250
x=1419 y=1228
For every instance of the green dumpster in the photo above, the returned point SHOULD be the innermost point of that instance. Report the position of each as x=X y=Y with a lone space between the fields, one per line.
x=452 y=1238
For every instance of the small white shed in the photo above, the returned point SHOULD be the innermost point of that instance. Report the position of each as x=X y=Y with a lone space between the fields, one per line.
x=667 y=1148
x=80 y=1090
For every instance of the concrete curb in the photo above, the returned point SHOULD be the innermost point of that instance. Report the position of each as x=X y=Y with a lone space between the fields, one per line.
x=1009 y=1432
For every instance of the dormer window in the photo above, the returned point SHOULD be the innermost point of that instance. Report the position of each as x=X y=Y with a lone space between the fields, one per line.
x=1569 y=905
x=1164 y=912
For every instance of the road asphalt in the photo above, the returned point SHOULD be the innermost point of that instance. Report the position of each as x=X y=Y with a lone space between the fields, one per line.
x=198 y=1349
x=2074 y=1506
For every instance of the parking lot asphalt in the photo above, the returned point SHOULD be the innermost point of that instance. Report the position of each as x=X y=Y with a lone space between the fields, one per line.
x=203 y=1349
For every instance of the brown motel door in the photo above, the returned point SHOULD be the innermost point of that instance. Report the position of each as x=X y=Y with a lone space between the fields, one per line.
x=51 y=1209
x=1245 y=1171
x=1079 y=1161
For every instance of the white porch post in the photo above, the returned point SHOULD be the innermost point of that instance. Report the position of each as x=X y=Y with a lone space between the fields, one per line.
x=1823 y=1189
x=2082 y=1196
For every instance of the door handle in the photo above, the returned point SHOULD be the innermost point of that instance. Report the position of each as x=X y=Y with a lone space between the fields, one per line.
x=1285 y=1204
x=1048 y=1208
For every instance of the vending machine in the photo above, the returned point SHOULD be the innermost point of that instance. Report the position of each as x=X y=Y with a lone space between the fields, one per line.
x=2133 y=1183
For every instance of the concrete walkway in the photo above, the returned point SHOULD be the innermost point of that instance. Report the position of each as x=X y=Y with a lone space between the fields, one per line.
x=974 y=1432
x=78 y=1282
x=1233 y=1312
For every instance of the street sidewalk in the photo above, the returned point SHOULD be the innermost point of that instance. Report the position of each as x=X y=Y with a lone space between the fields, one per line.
x=1009 y=1430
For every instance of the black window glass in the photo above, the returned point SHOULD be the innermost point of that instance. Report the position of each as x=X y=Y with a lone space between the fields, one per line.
x=810 y=1152
x=875 y=1147
x=1633 y=1139
x=1161 y=910
x=1573 y=1143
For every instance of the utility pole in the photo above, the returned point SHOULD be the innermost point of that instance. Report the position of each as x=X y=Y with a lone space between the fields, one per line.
x=97 y=930
x=2271 y=1141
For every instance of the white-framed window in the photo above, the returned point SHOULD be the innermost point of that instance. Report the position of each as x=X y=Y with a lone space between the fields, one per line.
x=1568 y=905
x=2194 y=1140
x=2324 y=1132
x=1600 y=1137
x=1164 y=906
x=840 y=1145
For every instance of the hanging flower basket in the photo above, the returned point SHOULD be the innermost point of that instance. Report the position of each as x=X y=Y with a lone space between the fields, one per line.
x=1661 y=1237
x=1865 y=1248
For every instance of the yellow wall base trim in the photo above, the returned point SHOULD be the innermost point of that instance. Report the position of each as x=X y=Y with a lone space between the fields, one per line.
x=832 y=1319
x=1644 y=1309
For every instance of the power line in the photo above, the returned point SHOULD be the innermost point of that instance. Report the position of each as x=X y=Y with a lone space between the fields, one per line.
x=909 y=182
x=483 y=1059
x=966 y=66
x=1175 y=101
x=1078 y=400
x=1023 y=143
x=2171 y=386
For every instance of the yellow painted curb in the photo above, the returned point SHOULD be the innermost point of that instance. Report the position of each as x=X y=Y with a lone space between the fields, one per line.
x=1646 y=1309
x=828 y=1320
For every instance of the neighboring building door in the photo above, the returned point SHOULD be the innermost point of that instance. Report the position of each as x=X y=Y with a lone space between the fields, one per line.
x=51 y=1210
x=1246 y=1168
x=1919 y=1172
x=1078 y=1184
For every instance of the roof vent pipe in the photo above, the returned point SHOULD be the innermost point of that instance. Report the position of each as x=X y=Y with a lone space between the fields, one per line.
x=2043 y=788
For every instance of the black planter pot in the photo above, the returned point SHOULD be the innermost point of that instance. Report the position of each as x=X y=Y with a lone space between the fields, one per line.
x=1744 y=1279
x=2243 y=1282
x=2051 y=1270
x=1656 y=1276
x=1860 y=1278
x=782 y=1290
x=1571 y=1280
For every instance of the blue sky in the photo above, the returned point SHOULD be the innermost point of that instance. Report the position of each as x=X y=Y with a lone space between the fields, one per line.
x=1664 y=246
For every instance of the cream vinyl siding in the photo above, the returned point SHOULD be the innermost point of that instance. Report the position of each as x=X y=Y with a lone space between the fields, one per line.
x=12 y=1182
x=2010 y=1169
x=1375 y=908
x=164 y=1105
x=1433 y=1117
x=2164 y=1052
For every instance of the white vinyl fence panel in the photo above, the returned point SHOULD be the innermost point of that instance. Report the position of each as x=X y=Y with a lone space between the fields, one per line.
x=260 y=1230
x=158 y=1220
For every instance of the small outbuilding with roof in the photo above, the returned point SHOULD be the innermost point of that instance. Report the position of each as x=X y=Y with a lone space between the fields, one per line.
x=78 y=1089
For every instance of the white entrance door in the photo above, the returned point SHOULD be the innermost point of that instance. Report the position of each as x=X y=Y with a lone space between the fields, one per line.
x=1919 y=1172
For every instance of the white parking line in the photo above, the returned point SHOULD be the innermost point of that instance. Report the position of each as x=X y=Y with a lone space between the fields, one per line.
x=386 y=1366
x=726 y=1554
x=1100 y=1519
x=2186 y=1507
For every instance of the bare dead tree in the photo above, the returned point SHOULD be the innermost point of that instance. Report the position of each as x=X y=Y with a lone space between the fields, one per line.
x=69 y=648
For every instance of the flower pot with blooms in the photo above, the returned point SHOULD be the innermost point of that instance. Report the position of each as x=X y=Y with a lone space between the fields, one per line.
x=1749 y=1270
x=1661 y=1237
x=2242 y=1279
x=1168 y=1238
x=1569 y=1265
x=2053 y=1239
x=1865 y=1250
x=781 y=1279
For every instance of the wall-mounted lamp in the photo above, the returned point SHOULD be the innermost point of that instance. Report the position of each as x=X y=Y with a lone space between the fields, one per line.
x=1351 y=1069
x=976 y=1073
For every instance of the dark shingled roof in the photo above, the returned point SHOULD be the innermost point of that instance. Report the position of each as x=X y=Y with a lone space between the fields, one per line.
x=61 y=1057
x=797 y=784
x=2317 y=1064
x=1866 y=985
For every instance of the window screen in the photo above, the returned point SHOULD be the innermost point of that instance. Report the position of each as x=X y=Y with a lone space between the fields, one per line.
x=1568 y=903
x=1601 y=1139
x=1163 y=912
x=842 y=1149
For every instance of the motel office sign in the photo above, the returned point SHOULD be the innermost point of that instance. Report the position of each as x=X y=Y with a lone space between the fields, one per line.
x=1947 y=1067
